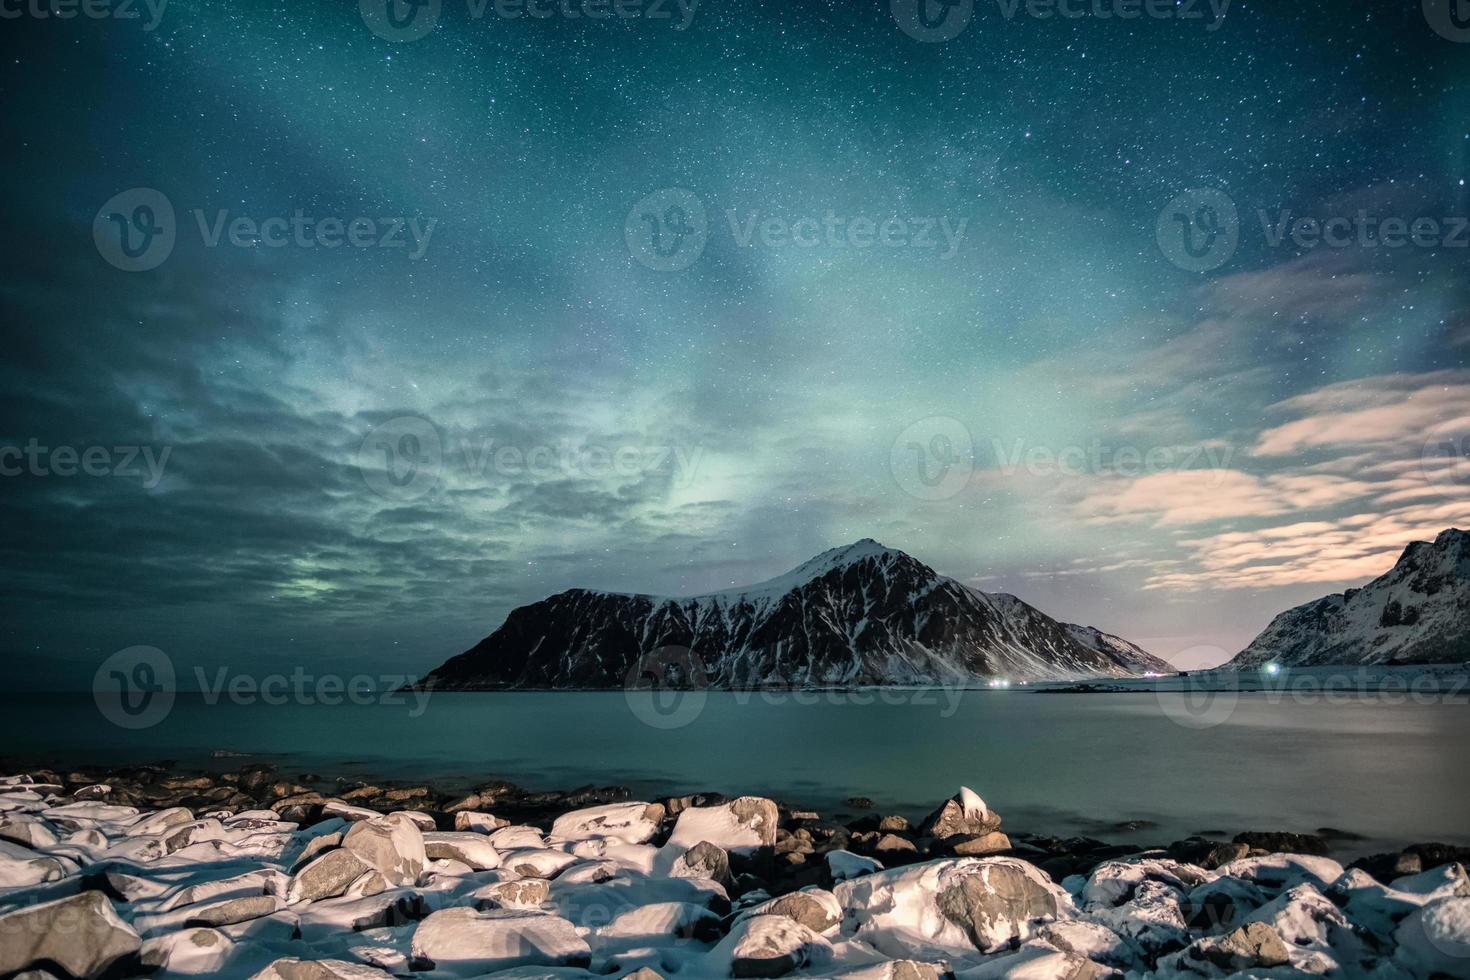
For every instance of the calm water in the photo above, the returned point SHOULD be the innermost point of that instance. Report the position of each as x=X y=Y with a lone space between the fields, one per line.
x=1048 y=763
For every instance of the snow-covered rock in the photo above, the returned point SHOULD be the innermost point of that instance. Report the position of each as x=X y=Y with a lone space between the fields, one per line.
x=844 y=865
x=738 y=827
x=949 y=907
x=82 y=934
x=538 y=862
x=1317 y=935
x=631 y=823
x=963 y=815
x=327 y=876
x=1278 y=872
x=815 y=908
x=465 y=942
x=188 y=952
x=661 y=922
x=466 y=847
x=768 y=946
x=393 y=845
x=1435 y=939
x=291 y=968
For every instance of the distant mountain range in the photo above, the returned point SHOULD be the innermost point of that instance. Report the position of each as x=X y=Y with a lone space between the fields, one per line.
x=1417 y=612
x=857 y=615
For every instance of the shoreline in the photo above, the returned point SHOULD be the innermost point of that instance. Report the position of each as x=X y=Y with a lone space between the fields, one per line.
x=166 y=782
x=253 y=874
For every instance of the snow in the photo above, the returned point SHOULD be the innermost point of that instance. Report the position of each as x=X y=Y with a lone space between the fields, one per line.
x=723 y=826
x=1436 y=938
x=463 y=942
x=971 y=803
x=1430 y=584
x=845 y=865
x=596 y=902
x=631 y=823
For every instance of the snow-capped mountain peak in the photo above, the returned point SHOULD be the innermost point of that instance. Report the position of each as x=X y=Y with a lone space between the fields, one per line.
x=1416 y=612
x=858 y=614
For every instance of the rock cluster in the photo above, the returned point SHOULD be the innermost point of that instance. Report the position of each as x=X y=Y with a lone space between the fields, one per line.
x=95 y=883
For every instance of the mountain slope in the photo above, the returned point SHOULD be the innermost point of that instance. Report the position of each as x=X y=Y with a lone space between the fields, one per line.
x=1417 y=612
x=858 y=615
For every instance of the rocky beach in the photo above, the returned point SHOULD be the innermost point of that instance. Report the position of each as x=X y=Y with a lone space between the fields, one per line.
x=254 y=873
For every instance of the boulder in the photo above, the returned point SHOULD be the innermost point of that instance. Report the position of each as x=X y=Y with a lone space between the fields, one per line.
x=947 y=908
x=82 y=934
x=346 y=811
x=291 y=968
x=466 y=942
x=815 y=908
x=517 y=838
x=522 y=893
x=232 y=911
x=997 y=901
x=465 y=847
x=844 y=865
x=1278 y=872
x=962 y=815
x=333 y=917
x=422 y=821
x=1205 y=853
x=188 y=951
x=703 y=860
x=327 y=876
x=537 y=862
x=741 y=826
x=1315 y=931
x=26 y=830
x=769 y=946
x=480 y=823
x=21 y=866
x=991 y=843
x=1255 y=946
x=891 y=847
x=1277 y=842
x=661 y=923
x=631 y=823
x=1091 y=941
x=315 y=847
x=1435 y=940
x=392 y=844
x=157 y=823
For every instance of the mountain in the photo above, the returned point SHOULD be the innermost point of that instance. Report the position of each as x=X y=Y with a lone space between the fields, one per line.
x=1417 y=612
x=858 y=615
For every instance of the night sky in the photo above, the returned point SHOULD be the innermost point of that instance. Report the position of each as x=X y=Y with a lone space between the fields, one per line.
x=693 y=298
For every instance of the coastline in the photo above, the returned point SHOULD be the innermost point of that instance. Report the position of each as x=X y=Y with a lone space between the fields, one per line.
x=253 y=873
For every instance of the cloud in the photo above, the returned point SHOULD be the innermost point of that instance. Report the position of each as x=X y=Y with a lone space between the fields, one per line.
x=1388 y=410
x=1347 y=551
x=1199 y=496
